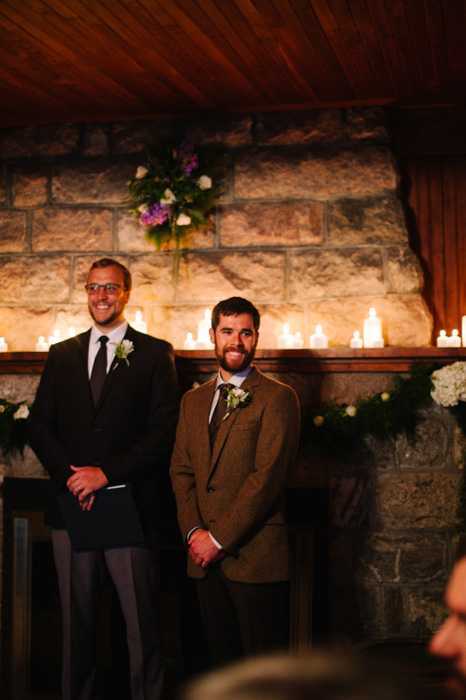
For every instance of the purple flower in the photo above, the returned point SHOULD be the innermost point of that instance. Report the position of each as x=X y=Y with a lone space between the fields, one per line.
x=189 y=159
x=191 y=165
x=154 y=215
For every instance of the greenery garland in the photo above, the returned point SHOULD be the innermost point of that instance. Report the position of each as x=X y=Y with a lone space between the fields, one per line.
x=13 y=426
x=382 y=415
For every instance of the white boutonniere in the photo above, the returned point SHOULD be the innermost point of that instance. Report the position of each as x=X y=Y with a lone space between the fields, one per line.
x=122 y=350
x=236 y=398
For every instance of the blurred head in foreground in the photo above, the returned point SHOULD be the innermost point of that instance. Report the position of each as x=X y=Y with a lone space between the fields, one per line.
x=318 y=676
x=450 y=640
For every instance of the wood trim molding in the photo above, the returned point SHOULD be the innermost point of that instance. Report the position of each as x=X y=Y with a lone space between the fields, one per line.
x=388 y=359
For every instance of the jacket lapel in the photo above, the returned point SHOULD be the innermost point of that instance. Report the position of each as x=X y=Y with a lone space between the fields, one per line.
x=250 y=382
x=116 y=368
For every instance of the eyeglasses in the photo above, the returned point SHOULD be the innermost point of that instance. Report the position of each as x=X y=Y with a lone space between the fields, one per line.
x=108 y=288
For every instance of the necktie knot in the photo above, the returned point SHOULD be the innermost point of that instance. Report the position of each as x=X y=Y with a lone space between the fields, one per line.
x=103 y=340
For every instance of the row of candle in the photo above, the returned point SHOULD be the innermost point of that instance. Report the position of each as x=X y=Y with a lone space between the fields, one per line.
x=452 y=341
x=372 y=336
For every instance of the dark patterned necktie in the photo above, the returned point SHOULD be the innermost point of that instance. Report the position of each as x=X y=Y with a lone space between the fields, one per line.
x=99 y=369
x=219 y=412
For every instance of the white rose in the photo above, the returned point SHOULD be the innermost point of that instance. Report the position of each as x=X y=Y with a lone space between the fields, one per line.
x=204 y=182
x=351 y=411
x=142 y=208
x=141 y=172
x=168 y=197
x=183 y=220
x=22 y=412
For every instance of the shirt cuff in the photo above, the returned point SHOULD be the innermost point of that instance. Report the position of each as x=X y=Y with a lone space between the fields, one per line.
x=219 y=546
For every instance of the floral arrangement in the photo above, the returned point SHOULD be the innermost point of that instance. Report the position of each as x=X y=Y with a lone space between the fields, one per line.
x=236 y=398
x=13 y=426
x=122 y=350
x=173 y=193
x=450 y=384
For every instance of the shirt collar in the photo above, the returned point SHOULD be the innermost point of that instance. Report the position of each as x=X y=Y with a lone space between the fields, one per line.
x=237 y=379
x=114 y=336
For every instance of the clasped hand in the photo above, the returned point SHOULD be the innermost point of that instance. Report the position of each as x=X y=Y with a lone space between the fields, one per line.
x=202 y=550
x=84 y=483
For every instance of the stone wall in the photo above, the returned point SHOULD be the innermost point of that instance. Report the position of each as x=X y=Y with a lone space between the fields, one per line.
x=309 y=228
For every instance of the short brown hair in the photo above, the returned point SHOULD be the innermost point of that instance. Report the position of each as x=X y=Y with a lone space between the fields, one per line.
x=109 y=262
x=234 y=306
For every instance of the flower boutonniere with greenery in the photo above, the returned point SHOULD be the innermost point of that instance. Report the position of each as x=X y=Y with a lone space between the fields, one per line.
x=236 y=398
x=122 y=350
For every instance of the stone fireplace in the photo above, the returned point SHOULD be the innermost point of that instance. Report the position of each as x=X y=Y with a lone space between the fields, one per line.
x=311 y=230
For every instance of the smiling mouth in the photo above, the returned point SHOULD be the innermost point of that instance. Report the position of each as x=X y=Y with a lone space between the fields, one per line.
x=234 y=353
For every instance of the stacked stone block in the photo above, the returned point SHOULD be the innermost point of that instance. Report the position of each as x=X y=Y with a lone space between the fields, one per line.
x=309 y=227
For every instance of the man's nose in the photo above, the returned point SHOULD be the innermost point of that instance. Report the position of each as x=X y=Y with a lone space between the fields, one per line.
x=102 y=292
x=445 y=642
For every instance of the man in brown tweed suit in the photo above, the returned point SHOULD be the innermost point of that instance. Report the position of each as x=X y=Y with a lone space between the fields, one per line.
x=228 y=477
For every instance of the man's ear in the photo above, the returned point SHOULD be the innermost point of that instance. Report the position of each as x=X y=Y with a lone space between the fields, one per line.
x=212 y=335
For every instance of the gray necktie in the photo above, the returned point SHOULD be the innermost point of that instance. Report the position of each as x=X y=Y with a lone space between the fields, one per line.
x=99 y=370
x=219 y=412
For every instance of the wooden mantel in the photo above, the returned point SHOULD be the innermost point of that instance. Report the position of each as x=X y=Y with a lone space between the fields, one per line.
x=389 y=359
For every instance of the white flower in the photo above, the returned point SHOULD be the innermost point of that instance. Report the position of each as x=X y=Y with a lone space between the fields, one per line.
x=168 y=197
x=204 y=182
x=142 y=208
x=22 y=412
x=449 y=384
x=183 y=220
x=385 y=396
x=2 y=408
x=122 y=350
x=236 y=398
x=141 y=172
x=351 y=411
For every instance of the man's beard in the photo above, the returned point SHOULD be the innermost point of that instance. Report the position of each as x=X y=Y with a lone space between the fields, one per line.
x=233 y=367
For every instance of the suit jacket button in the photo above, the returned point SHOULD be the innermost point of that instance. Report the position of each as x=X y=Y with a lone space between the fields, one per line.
x=210 y=489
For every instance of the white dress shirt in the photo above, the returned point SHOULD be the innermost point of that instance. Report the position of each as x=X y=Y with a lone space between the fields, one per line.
x=114 y=338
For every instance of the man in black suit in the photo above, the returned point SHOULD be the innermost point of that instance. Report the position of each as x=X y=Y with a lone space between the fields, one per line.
x=105 y=414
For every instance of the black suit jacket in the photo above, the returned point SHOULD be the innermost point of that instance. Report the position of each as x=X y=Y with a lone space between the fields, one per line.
x=129 y=434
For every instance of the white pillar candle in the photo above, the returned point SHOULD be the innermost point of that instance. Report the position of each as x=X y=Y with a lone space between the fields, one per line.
x=318 y=340
x=442 y=340
x=3 y=345
x=71 y=332
x=356 y=340
x=454 y=341
x=189 y=342
x=139 y=324
x=285 y=340
x=203 y=337
x=463 y=329
x=372 y=329
x=378 y=343
x=42 y=346
x=298 y=342
x=56 y=337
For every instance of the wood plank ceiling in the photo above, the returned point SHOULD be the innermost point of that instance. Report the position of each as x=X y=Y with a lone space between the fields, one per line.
x=88 y=60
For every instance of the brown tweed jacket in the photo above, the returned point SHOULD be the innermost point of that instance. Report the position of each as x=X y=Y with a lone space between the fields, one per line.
x=236 y=490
